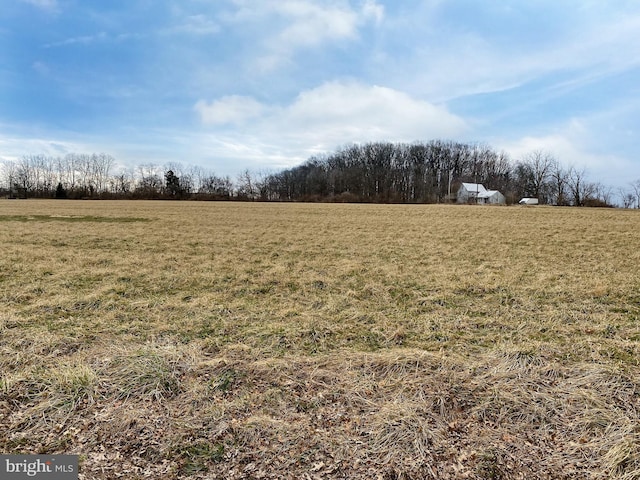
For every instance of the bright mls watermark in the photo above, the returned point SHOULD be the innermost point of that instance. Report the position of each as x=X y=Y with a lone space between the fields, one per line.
x=49 y=467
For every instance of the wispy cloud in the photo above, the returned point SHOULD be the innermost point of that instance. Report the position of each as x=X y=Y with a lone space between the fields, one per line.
x=196 y=25
x=229 y=110
x=14 y=147
x=41 y=68
x=372 y=9
x=571 y=145
x=50 y=5
x=80 y=40
x=445 y=59
x=295 y=25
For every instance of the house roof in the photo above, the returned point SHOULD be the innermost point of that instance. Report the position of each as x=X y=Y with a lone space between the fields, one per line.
x=487 y=193
x=474 y=187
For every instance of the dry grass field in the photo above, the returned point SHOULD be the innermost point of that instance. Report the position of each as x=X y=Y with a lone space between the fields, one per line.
x=307 y=341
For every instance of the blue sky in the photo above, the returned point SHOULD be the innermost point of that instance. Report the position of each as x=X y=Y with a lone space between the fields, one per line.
x=265 y=84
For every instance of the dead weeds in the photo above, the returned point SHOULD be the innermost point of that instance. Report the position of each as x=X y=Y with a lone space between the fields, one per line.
x=223 y=340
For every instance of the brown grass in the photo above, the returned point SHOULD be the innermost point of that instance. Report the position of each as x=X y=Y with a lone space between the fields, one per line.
x=226 y=340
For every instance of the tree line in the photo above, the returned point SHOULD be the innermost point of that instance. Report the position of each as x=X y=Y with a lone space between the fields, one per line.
x=377 y=172
x=92 y=176
x=432 y=172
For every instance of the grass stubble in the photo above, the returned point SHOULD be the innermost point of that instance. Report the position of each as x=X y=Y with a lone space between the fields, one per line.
x=226 y=340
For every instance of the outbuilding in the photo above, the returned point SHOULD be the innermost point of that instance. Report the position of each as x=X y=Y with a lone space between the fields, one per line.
x=476 y=193
x=492 y=197
x=528 y=201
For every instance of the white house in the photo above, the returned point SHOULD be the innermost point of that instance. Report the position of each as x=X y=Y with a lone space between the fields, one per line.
x=469 y=192
x=476 y=193
x=492 y=197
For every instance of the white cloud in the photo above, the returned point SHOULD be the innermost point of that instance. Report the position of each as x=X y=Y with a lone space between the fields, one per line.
x=326 y=117
x=288 y=26
x=14 y=147
x=345 y=112
x=558 y=145
x=567 y=148
x=229 y=110
x=197 y=25
x=372 y=9
x=312 y=25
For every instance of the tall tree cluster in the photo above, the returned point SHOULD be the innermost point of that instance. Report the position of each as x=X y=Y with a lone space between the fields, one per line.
x=431 y=173
x=43 y=176
x=392 y=172
x=380 y=172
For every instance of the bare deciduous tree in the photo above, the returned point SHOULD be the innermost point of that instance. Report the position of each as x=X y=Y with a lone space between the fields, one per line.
x=246 y=186
x=535 y=171
x=636 y=191
x=627 y=198
x=579 y=187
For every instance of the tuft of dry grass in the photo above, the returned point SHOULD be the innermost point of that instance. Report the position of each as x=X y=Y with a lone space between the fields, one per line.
x=227 y=340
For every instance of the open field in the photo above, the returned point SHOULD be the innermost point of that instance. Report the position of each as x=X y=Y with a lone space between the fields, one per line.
x=228 y=340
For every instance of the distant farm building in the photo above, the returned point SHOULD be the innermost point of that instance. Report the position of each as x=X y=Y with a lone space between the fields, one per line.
x=528 y=201
x=476 y=193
